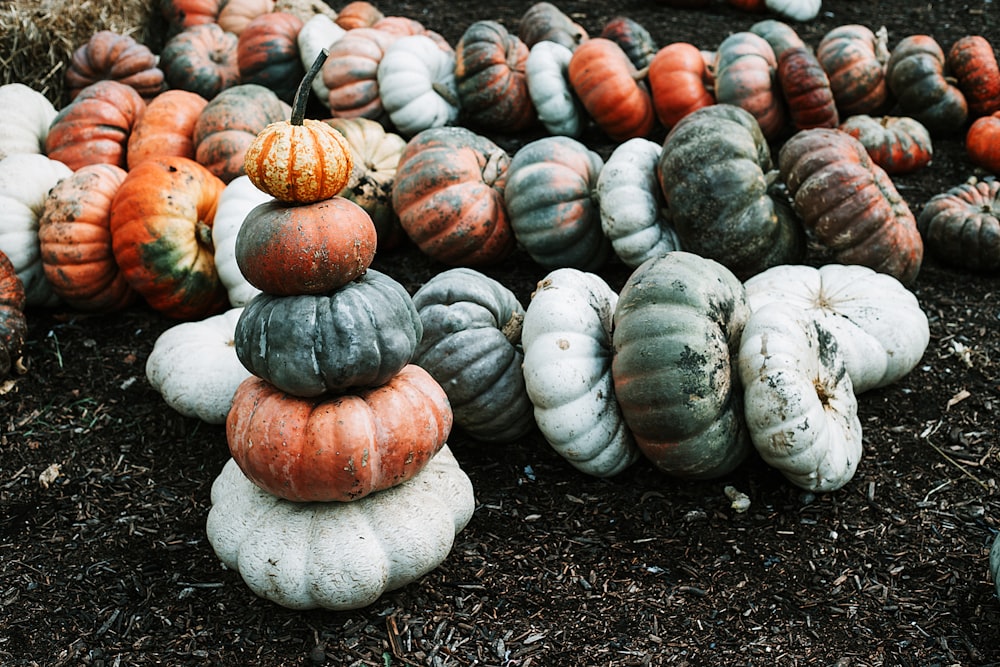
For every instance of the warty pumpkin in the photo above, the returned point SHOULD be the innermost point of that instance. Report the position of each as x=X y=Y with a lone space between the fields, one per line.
x=356 y=336
x=472 y=346
x=611 y=90
x=545 y=22
x=849 y=204
x=567 y=372
x=676 y=335
x=108 y=55
x=267 y=53
x=95 y=126
x=337 y=447
x=961 y=226
x=339 y=555
x=161 y=235
x=898 y=144
x=166 y=127
x=201 y=59
x=75 y=240
x=854 y=59
x=449 y=196
x=490 y=75
x=27 y=117
x=917 y=78
x=301 y=160
x=13 y=322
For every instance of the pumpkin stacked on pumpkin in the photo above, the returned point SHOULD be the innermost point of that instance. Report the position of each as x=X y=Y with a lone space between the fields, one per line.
x=334 y=419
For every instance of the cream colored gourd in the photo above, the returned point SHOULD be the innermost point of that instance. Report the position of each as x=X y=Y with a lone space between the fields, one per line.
x=25 y=181
x=547 y=77
x=797 y=10
x=880 y=328
x=27 y=115
x=566 y=337
x=339 y=555
x=194 y=366
x=633 y=214
x=238 y=198
x=798 y=400
x=416 y=81
x=316 y=34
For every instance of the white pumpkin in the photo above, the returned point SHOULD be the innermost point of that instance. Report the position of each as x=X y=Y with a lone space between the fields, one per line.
x=316 y=34
x=25 y=181
x=546 y=73
x=566 y=337
x=881 y=330
x=238 y=198
x=633 y=213
x=339 y=555
x=798 y=399
x=797 y=10
x=195 y=368
x=27 y=115
x=416 y=81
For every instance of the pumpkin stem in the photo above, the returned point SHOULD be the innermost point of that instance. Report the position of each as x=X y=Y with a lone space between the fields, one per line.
x=641 y=74
x=512 y=328
x=302 y=92
x=447 y=93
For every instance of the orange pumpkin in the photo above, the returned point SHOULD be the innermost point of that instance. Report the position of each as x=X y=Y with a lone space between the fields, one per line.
x=610 y=89
x=229 y=123
x=161 y=236
x=108 y=55
x=359 y=14
x=75 y=240
x=679 y=81
x=972 y=62
x=13 y=323
x=745 y=76
x=854 y=59
x=267 y=53
x=898 y=144
x=181 y=14
x=350 y=73
x=236 y=15
x=449 y=196
x=982 y=142
x=95 y=126
x=338 y=448
x=201 y=59
x=166 y=128
x=301 y=160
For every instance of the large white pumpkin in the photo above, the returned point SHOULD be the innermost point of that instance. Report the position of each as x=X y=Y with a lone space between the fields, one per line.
x=238 y=198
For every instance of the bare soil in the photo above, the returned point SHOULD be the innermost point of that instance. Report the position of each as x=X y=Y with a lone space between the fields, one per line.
x=107 y=563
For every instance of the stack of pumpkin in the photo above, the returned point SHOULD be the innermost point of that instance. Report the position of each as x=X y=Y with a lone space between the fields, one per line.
x=341 y=486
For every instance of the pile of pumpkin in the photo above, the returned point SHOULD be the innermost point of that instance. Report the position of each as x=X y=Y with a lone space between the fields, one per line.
x=339 y=389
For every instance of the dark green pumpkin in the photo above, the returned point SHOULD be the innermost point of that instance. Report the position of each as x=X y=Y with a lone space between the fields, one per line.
x=677 y=329
x=359 y=335
x=962 y=226
x=472 y=347
x=551 y=203
x=916 y=76
x=716 y=173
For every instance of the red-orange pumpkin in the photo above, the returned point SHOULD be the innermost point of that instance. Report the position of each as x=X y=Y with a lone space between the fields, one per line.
x=338 y=448
x=108 y=55
x=13 y=323
x=982 y=142
x=182 y=14
x=972 y=62
x=351 y=70
x=854 y=59
x=679 y=81
x=236 y=15
x=449 y=196
x=95 y=126
x=74 y=234
x=201 y=59
x=267 y=53
x=166 y=128
x=806 y=89
x=610 y=89
x=898 y=144
x=161 y=235
x=745 y=76
x=359 y=14
x=305 y=249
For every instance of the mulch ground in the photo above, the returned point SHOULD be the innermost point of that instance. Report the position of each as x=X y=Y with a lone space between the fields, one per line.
x=105 y=490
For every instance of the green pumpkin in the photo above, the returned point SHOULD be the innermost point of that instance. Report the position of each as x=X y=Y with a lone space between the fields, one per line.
x=675 y=343
x=358 y=335
x=472 y=347
x=716 y=173
x=916 y=76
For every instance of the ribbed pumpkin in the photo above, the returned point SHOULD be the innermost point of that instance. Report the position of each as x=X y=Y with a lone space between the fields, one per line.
x=806 y=89
x=350 y=73
x=490 y=74
x=13 y=323
x=239 y=197
x=972 y=62
x=677 y=328
x=449 y=196
x=854 y=59
x=679 y=81
x=550 y=200
x=180 y=14
x=416 y=80
x=547 y=74
x=307 y=248
x=75 y=240
x=356 y=336
x=778 y=34
x=358 y=14
x=917 y=78
x=716 y=173
x=161 y=235
x=337 y=448
x=849 y=204
x=229 y=124
x=745 y=70
x=898 y=144
x=95 y=126
x=982 y=142
x=166 y=127
x=27 y=117
x=611 y=90
x=962 y=226
x=267 y=53
x=633 y=38
x=110 y=56
x=544 y=22
x=201 y=59
x=236 y=15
